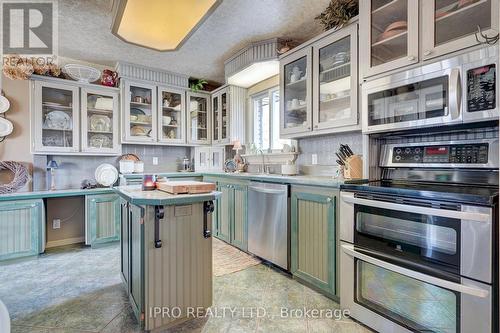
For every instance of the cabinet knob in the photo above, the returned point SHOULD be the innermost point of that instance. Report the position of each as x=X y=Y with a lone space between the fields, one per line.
x=411 y=58
x=308 y=127
x=427 y=52
x=328 y=199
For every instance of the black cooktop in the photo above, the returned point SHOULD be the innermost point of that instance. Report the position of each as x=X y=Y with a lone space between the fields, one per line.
x=456 y=193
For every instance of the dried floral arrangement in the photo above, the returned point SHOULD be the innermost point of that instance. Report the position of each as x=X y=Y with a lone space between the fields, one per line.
x=338 y=13
x=19 y=68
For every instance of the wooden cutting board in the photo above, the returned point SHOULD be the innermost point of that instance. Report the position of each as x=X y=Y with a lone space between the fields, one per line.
x=185 y=187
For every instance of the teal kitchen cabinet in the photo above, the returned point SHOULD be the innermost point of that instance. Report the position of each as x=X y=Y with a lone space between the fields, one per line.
x=22 y=228
x=314 y=237
x=136 y=259
x=124 y=241
x=102 y=218
x=230 y=216
x=132 y=254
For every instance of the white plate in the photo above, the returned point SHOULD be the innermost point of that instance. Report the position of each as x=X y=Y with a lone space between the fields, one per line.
x=4 y=104
x=58 y=120
x=6 y=127
x=106 y=174
x=100 y=141
x=100 y=123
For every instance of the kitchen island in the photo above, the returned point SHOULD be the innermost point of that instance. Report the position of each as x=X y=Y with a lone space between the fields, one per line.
x=166 y=254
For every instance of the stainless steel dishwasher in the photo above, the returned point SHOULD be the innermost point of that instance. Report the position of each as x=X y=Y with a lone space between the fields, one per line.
x=268 y=230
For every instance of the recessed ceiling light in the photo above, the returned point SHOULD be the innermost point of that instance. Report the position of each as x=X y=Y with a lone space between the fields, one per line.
x=162 y=25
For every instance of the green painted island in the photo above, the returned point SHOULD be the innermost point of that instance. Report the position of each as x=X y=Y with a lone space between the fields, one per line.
x=166 y=254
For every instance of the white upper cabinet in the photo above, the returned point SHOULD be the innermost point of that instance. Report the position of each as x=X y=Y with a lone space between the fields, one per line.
x=56 y=118
x=172 y=117
x=388 y=35
x=450 y=25
x=335 y=80
x=319 y=86
x=72 y=118
x=295 y=92
x=228 y=115
x=198 y=118
x=100 y=123
x=392 y=30
x=139 y=112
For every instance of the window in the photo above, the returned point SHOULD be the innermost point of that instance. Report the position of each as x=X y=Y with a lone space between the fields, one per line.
x=266 y=121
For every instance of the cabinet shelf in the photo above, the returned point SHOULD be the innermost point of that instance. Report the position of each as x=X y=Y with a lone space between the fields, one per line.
x=462 y=13
x=100 y=111
x=57 y=107
x=140 y=123
x=100 y=132
x=57 y=129
x=297 y=83
x=141 y=105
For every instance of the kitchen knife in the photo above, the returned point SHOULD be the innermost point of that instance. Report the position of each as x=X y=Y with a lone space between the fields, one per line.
x=349 y=150
x=340 y=162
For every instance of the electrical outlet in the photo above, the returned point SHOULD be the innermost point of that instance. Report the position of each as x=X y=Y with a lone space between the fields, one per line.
x=314 y=159
x=56 y=224
x=155 y=160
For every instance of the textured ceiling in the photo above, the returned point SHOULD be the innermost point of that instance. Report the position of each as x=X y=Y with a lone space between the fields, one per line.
x=85 y=34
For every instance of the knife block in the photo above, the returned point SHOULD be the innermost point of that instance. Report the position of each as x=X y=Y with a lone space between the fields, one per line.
x=353 y=168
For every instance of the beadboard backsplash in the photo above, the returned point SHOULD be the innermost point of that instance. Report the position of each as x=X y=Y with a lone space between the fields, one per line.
x=326 y=147
x=74 y=169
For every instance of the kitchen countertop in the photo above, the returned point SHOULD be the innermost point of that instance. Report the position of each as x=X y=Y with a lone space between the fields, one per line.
x=324 y=181
x=135 y=195
x=54 y=193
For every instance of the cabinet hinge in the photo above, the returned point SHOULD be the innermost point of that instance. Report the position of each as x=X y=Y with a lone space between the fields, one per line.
x=141 y=220
x=142 y=316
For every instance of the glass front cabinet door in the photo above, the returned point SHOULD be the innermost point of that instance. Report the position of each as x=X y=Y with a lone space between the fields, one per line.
x=388 y=34
x=335 y=90
x=220 y=117
x=171 y=118
x=295 y=91
x=55 y=118
x=140 y=119
x=100 y=113
x=450 y=25
x=198 y=118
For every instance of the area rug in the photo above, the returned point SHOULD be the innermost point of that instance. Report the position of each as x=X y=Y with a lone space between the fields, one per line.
x=228 y=259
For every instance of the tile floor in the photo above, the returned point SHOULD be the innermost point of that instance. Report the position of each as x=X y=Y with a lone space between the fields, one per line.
x=79 y=290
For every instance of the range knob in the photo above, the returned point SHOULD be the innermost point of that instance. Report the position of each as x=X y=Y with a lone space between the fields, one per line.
x=416 y=158
x=407 y=150
x=398 y=158
x=417 y=150
x=398 y=150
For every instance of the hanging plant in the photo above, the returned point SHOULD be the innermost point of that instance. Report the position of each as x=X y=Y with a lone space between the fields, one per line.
x=198 y=85
x=338 y=13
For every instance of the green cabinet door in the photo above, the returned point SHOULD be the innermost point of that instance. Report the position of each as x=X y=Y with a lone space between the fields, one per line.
x=225 y=212
x=22 y=228
x=136 y=260
x=124 y=241
x=103 y=218
x=239 y=222
x=313 y=237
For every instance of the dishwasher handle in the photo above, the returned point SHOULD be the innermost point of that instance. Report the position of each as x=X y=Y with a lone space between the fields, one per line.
x=266 y=190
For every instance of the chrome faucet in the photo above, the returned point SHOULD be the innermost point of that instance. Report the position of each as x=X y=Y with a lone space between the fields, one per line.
x=263 y=166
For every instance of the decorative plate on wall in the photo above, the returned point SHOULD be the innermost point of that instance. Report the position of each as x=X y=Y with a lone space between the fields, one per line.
x=6 y=127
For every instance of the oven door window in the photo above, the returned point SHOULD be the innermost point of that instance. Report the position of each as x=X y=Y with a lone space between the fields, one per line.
x=416 y=305
x=425 y=238
x=417 y=101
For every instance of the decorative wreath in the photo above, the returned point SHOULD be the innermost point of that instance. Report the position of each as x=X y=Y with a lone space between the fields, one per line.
x=21 y=176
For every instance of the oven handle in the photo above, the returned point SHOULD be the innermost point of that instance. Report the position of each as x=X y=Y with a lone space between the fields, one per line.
x=455 y=89
x=463 y=289
x=469 y=216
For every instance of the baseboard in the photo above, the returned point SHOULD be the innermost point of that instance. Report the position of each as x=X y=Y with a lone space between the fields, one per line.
x=66 y=241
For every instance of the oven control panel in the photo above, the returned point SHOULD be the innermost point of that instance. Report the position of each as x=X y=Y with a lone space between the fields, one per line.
x=474 y=153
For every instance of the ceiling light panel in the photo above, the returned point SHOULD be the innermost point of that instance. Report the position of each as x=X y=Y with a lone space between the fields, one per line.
x=163 y=25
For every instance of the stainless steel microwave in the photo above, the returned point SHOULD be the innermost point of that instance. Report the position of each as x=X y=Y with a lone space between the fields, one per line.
x=457 y=90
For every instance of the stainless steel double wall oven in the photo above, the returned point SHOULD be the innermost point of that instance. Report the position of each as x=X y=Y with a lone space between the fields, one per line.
x=419 y=243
